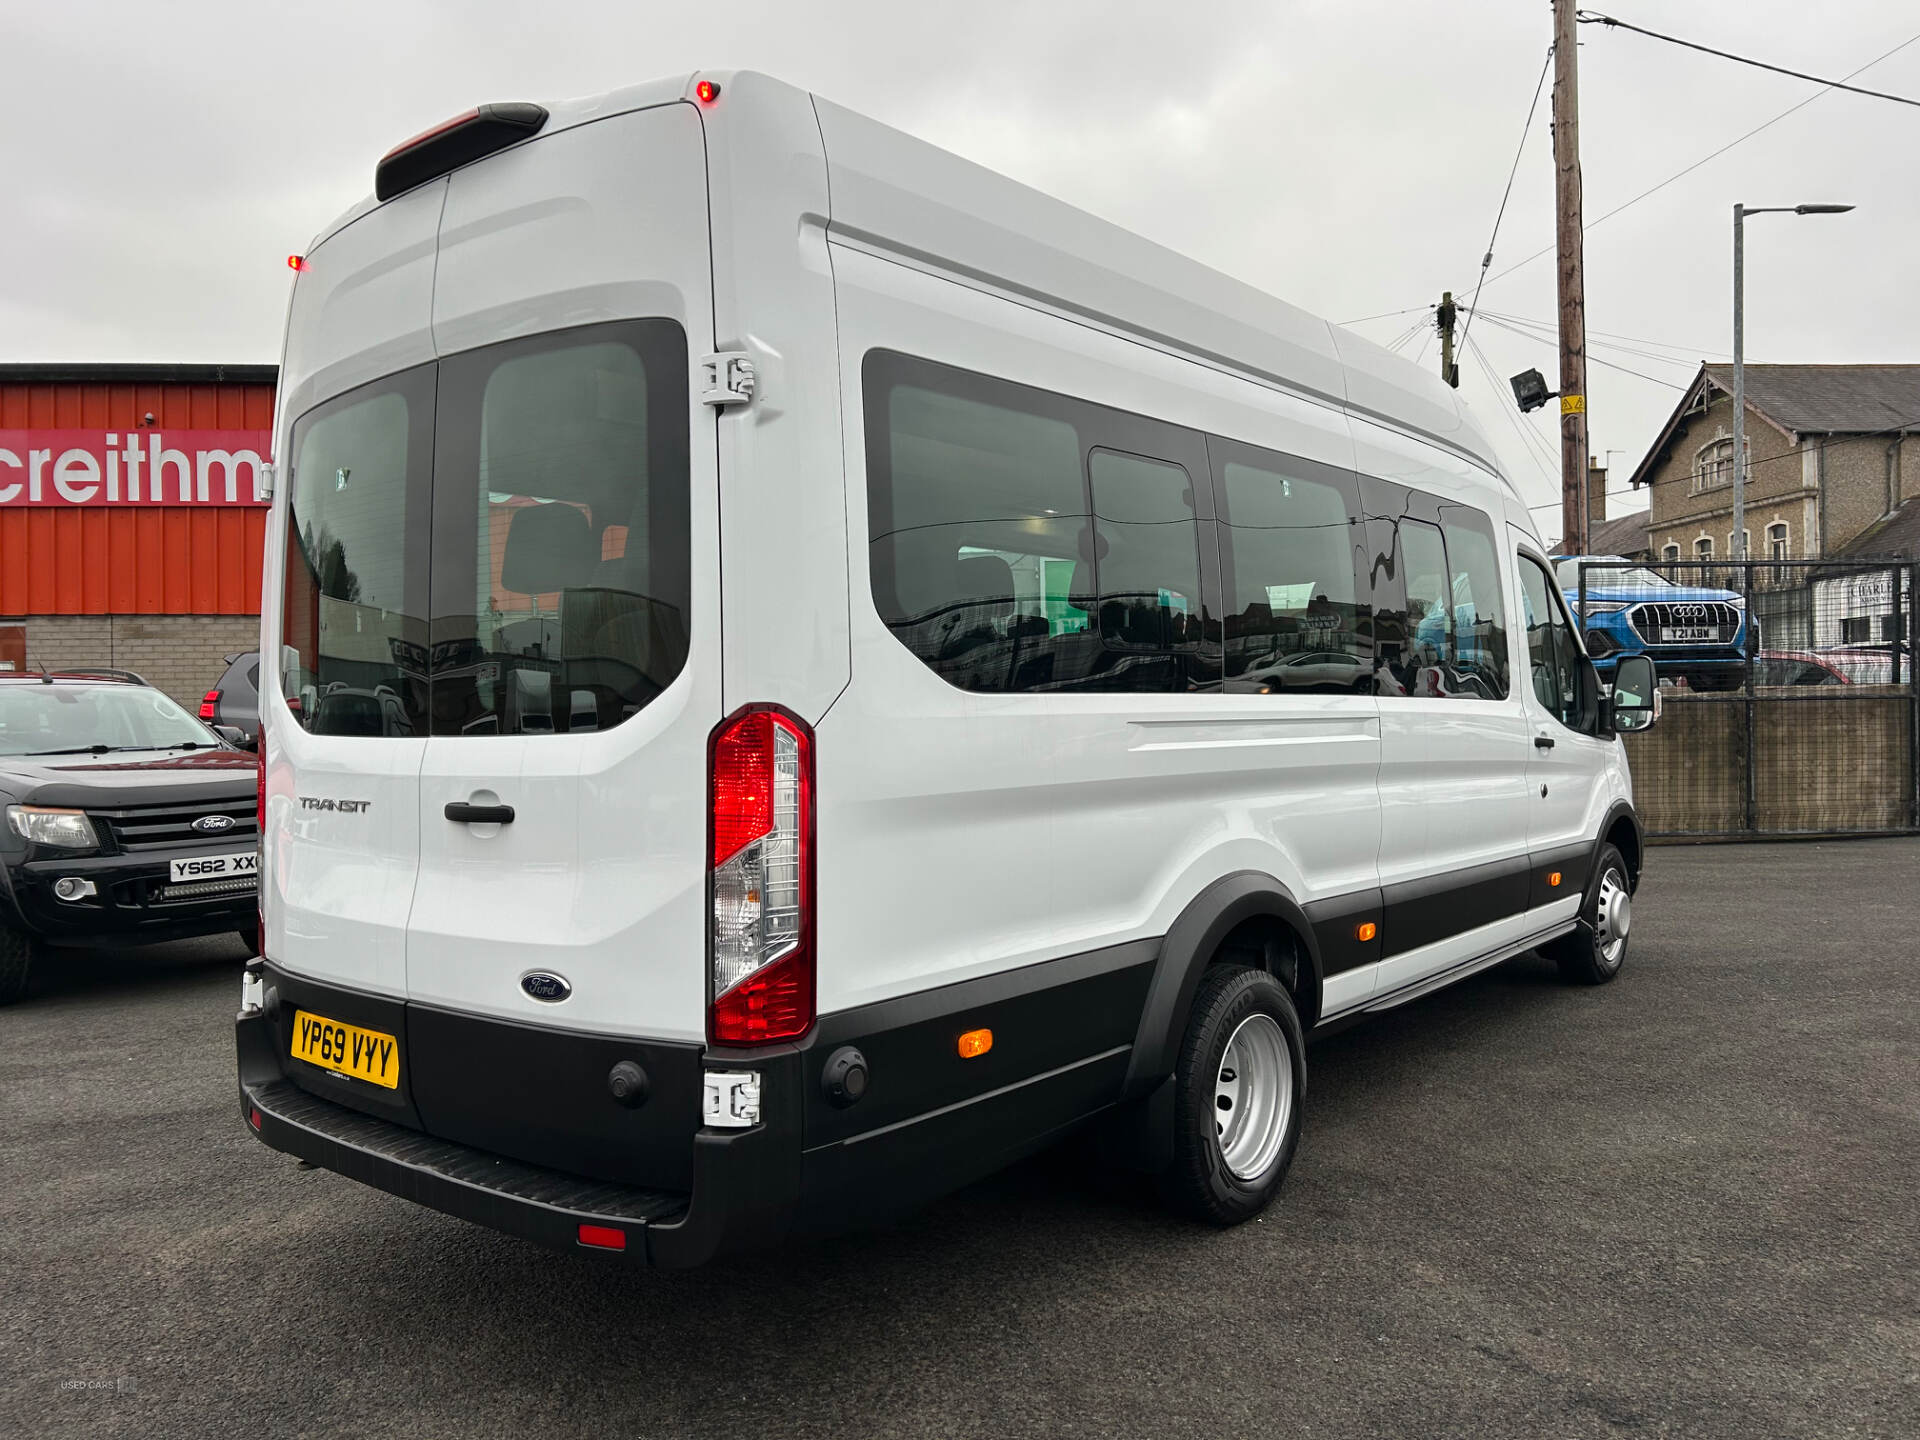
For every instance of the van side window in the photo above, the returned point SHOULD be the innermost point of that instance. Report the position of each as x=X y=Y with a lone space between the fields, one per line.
x=1478 y=604
x=1008 y=550
x=1430 y=616
x=1552 y=655
x=1146 y=553
x=1294 y=620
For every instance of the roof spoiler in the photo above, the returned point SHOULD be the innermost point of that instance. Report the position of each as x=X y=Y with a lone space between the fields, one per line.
x=452 y=143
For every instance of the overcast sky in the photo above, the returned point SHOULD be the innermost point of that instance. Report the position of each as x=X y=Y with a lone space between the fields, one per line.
x=160 y=161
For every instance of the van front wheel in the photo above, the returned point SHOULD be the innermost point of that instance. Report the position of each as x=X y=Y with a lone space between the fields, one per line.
x=1593 y=952
x=1238 y=1086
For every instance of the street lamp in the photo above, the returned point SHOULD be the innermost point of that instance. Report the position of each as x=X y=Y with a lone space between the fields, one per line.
x=1740 y=213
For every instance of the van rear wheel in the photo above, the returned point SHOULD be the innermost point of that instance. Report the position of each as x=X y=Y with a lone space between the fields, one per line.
x=17 y=954
x=1593 y=952
x=1238 y=1085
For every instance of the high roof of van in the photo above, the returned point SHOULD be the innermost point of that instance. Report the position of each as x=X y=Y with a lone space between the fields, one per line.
x=911 y=200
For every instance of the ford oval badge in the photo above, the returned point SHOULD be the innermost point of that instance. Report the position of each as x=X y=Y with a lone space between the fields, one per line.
x=545 y=985
x=214 y=824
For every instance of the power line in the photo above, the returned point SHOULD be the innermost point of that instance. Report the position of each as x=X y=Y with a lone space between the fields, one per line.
x=1609 y=334
x=1531 y=442
x=1625 y=370
x=1705 y=159
x=1486 y=261
x=1548 y=334
x=1389 y=314
x=1593 y=17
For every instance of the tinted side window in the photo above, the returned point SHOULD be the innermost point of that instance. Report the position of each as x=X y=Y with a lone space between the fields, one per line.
x=1009 y=550
x=354 y=605
x=1430 y=617
x=1295 y=621
x=1479 y=606
x=562 y=549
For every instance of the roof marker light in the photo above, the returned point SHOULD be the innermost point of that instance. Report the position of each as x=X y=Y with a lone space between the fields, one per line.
x=706 y=92
x=296 y=262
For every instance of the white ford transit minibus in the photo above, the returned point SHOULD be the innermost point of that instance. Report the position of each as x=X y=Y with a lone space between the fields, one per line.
x=810 y=670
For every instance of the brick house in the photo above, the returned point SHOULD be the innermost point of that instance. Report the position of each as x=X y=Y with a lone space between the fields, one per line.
x=1829 y=454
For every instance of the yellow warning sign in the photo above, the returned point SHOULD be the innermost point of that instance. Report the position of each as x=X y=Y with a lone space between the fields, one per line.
x=1573 y=404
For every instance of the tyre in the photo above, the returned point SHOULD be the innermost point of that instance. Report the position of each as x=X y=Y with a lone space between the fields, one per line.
x=17 y=954
x=1597 y=947
x=1238 y=1086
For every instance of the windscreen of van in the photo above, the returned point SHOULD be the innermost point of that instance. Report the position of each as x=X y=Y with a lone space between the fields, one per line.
x=551 y=474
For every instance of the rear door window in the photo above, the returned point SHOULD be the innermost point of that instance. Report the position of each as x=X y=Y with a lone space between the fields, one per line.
x=354 y=603
x=498 y=544
x=561 y=545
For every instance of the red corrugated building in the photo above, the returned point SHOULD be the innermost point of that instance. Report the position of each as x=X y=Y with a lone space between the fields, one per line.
x=131 y=520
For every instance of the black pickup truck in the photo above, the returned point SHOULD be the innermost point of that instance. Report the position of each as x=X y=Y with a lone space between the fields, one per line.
x=123 y=819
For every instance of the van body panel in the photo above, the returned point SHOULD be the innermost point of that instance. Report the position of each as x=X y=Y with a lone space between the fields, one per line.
x=363 y=306
x=1107 y=812
x=340 y=849
x=783 y=501
x=600 y=878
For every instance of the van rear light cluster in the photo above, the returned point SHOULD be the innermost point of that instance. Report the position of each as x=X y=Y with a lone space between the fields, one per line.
x=207 y=703
x=760 y=888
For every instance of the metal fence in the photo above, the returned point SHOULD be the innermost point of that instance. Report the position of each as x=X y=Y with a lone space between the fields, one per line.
x=1788 y=691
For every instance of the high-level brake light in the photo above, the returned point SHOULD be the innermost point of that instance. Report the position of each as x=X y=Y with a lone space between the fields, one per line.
x=452 y=143
x=760 y=889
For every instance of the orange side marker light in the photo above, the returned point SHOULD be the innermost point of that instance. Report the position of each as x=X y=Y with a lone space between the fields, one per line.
x=1553 y=878
x=1365 y=931
x=975 y=1043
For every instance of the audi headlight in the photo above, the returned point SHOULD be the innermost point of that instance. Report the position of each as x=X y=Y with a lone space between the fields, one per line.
x=1739 y=602
x=1607 y=607
x=67 y=829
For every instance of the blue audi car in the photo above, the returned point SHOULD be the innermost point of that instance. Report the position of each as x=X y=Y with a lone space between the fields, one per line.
x=1690 y=632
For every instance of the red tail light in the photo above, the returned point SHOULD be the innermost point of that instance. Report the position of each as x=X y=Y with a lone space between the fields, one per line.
x=760 y=946
x=603 y=1237
x=207 y=702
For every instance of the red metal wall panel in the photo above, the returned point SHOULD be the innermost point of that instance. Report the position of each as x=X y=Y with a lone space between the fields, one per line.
x=105 y=561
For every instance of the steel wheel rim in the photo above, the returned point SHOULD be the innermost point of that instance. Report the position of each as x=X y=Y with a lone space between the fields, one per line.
x=1253 y=1097
x=1612 y=917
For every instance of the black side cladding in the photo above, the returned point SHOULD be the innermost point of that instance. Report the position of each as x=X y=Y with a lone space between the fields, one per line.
x=459 y=142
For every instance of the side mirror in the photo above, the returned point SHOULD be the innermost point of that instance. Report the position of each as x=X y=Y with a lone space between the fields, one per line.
x=1636 y=694
x=235 y=736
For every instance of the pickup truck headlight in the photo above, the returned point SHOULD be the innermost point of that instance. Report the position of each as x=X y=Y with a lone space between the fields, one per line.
x=67 y=829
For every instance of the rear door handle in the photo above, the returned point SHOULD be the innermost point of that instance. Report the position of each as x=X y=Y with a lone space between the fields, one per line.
x=461 y=813
x=1540 y=742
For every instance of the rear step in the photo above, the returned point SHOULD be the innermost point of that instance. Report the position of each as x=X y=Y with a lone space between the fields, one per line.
x=542 y=1205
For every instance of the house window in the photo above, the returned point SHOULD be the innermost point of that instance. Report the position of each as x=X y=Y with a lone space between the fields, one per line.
x=1669 y=552
x=1713 y=465
x=1777 y=541
x=1741 y=551
x=1703 y=548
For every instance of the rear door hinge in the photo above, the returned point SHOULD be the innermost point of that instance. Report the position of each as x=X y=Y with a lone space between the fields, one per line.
x=726 y=378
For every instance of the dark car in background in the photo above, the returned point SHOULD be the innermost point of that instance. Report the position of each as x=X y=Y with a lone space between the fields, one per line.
x=122 y=819
x=235 y=697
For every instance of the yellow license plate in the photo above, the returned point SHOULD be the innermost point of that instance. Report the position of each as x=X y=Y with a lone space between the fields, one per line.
x=346 y=1049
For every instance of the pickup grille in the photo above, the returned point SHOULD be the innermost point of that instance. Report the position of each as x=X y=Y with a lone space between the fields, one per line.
x=165 y=827
x=1649 y=619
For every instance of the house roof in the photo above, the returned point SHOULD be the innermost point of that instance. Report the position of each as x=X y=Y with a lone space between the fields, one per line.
x=1624 y=535
x=1804 y=400
x=1895 y=533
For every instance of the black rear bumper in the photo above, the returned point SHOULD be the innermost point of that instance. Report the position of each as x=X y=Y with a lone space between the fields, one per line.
x=741 y=1193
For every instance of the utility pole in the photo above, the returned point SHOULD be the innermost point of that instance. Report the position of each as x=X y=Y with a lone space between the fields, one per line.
x=1572 y=279
x=1443 y=319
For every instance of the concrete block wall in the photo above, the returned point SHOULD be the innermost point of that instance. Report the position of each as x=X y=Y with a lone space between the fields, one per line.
x=182 y=655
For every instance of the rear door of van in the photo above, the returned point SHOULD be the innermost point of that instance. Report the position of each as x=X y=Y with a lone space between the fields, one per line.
x=573 y=635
